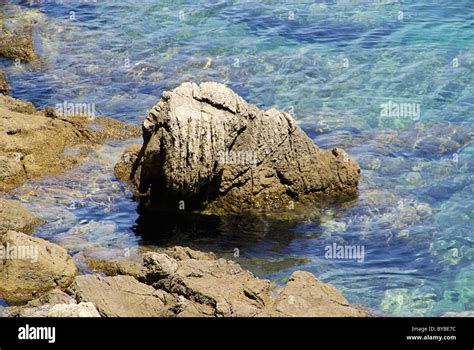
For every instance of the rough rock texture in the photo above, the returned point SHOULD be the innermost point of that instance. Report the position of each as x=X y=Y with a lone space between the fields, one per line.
x=71 y=310
x=17 y=44
x=33 y=143
x=16 y=39
x=185 y=253
x=306 y=296
x=45 y=301
x=16 y=105
x=120 y=296
x=42 y=267
x=129 y=157
x=114 y=268
x=54 y=304
x=190 y=283
x=205 y=145
x=14 y=216
x=221 y=286
x=4 y=88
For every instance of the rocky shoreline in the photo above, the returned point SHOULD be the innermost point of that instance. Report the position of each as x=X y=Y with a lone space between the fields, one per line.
x=174 y=282
x=180 y=282
x=177 y=281
x=168 y=282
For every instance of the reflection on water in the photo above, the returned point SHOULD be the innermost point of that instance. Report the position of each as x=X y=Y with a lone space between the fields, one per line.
x=331 y=64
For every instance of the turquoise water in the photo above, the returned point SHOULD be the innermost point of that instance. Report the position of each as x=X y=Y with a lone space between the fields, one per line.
x=333 y=65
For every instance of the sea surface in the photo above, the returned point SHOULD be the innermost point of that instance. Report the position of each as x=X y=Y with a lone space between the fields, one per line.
x=389 y=81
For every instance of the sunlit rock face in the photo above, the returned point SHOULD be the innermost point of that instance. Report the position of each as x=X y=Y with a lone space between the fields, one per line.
x=206 y=145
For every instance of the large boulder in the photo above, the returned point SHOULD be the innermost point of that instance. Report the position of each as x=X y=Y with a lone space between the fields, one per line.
x=15 y=217
x=30 y=266
x=206 y=148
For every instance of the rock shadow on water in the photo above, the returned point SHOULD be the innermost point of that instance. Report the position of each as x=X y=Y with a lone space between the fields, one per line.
x=213 y=233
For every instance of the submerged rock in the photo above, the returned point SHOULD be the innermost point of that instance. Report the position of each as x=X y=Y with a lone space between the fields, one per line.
x=206 y=148
x=433 y=140
x=31 y=266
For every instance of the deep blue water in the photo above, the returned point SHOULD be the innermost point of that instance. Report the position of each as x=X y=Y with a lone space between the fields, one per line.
x=333 y=65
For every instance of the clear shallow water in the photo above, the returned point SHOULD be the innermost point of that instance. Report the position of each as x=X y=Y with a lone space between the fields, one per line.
x=331 y=65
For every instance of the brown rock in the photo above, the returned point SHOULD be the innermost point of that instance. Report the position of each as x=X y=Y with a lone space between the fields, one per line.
x=16 y=105
x=221 y=287
x=32 y=266
x=121 y=296
x=206 y=146
x=185 y=253
x=54 y=304
x=189 y=283
x=115 y=268
x=14 y=216
x=123 y=168
x=34 y=144
x=4 y=88
x=16 y=39
x=306 y=296
x=18 y=45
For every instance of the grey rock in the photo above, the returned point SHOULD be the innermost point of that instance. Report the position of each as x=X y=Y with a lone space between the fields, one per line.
x=221 y=286
x=121 y=296
x=181 y=282
x=206 y=146
x=306 y=296
x=32 y=266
